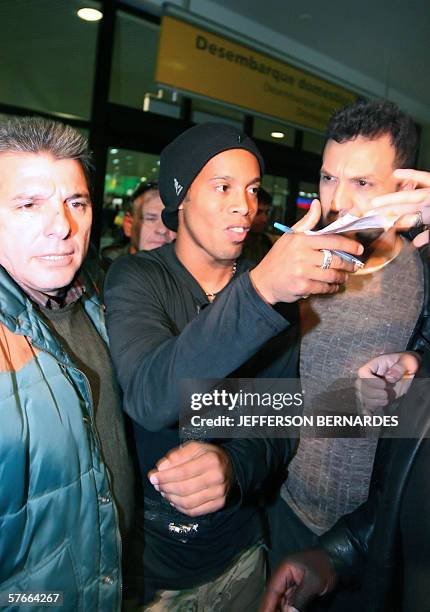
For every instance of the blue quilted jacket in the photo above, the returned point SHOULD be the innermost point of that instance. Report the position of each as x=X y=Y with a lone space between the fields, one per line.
x=58 y=523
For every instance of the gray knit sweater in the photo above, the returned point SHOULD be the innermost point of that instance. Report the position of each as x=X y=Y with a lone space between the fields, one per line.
x=375 y=314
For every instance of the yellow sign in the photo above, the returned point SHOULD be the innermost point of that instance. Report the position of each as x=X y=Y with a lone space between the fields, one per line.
x=194 y=60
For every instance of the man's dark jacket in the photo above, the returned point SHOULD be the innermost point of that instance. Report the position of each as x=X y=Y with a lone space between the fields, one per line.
x=366 y=546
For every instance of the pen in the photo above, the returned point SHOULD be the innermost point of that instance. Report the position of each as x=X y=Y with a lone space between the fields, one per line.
x=345 y=256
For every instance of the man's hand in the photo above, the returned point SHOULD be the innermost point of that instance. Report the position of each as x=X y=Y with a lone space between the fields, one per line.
x=292 y=267
x=407 y=202
x=385 y=378
x=195 y=478
x=298 y=580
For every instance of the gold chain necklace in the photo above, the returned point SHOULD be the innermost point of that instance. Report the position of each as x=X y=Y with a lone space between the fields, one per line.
x=212 y=296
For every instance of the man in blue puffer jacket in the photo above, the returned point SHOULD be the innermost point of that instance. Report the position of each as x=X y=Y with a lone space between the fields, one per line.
x=66 y=479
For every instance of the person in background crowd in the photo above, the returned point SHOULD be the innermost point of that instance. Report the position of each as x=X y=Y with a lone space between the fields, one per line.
x=67 y=481
x=191 y=309
x=142 y=225
x=258 y=243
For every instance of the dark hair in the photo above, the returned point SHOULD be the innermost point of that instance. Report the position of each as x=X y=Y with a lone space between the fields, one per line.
x=373 y=119
x=264 y=197
x=143 y=188
x=38 y=135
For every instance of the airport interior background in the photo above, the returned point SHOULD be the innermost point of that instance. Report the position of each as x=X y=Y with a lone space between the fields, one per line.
x=131 y=75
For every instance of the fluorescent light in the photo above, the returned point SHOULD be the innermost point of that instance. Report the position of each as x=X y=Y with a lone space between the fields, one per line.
x=89 y=14
x=277 y=135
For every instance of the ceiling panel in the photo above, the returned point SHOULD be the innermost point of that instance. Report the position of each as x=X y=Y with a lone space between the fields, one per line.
x=387 y=41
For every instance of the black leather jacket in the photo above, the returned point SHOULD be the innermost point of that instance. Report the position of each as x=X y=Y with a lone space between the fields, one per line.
x=366 y=546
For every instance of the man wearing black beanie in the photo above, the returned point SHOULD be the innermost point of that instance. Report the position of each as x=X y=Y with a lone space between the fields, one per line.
x=191 y=309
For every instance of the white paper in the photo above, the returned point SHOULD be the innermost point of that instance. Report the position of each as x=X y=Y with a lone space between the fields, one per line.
x=350 y=223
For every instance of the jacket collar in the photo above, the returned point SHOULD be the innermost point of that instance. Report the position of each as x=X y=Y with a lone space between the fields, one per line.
x=72 y=294
x=22 y=316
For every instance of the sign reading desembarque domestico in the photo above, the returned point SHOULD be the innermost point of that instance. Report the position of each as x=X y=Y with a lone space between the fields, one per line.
x=197 y=61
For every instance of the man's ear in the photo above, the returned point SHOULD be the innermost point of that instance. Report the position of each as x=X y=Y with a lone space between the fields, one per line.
x=126 y=224
x=186 y=199
x=180 y=210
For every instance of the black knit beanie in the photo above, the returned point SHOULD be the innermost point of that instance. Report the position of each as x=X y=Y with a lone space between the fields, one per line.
x=183 y=159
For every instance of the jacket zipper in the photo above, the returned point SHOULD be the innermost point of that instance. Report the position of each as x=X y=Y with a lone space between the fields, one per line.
x=63 y=368
x=117 y=532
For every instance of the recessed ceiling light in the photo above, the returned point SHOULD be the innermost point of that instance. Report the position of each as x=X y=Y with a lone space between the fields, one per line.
x=113 y=151
x=115 y=161
x=89 y=14
x=277 y=135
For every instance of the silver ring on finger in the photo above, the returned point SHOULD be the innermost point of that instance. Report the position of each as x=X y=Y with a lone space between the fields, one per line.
x=328 y=257
x=418 y=219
